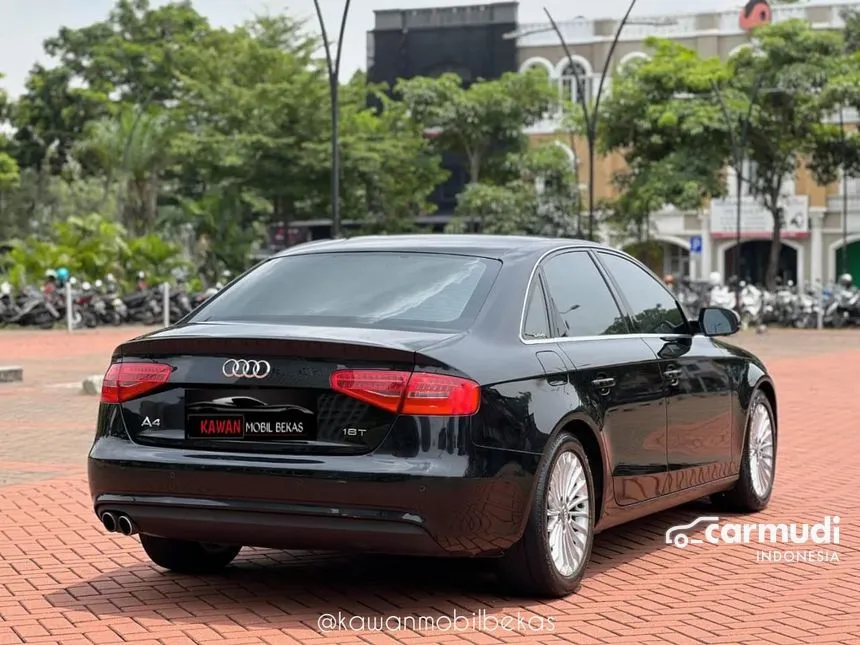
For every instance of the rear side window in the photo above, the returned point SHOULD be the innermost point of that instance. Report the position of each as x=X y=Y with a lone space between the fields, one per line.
x=386 y=290
x=654 y=309
x=537 y=323
x=581 y=296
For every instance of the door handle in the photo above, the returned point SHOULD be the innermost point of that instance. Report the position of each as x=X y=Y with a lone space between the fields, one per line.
x=603 y=385
x=673 y=376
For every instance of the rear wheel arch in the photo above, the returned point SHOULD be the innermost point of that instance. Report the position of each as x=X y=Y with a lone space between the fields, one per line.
x=582 y=429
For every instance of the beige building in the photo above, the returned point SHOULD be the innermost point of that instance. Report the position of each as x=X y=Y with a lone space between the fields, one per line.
x=813 y=237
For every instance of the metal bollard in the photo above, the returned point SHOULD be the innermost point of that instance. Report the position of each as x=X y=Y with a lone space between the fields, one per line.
x=166 y=303
x=70 y=313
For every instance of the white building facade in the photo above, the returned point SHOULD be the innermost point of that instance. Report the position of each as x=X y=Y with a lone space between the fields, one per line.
x=815 y=232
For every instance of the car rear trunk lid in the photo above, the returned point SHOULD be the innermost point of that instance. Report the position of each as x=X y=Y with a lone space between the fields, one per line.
x=264 y=388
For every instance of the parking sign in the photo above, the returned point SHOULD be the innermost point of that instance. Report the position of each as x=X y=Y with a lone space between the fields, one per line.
x=696 y=244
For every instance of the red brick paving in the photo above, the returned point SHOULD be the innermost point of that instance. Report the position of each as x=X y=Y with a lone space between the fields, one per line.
x=63 y=580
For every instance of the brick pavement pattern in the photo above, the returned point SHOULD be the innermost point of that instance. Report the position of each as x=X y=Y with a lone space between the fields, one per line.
x=64 y=580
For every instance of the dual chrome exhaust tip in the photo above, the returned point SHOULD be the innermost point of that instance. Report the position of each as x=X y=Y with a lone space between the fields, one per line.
x=118 y=523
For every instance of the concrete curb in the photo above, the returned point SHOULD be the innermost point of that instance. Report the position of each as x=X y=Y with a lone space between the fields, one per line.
x=92 y=385
x=11 y=374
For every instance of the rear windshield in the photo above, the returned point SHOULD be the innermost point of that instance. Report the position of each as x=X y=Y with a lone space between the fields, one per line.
x=400 y=291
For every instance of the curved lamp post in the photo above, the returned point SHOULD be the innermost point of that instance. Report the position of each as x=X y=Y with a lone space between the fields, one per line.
x=738 y=143
x=844 y=142
x=333 y=66
x=590 y=114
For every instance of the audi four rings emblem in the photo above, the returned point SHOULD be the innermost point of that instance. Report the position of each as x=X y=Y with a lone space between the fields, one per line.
x=242 y=368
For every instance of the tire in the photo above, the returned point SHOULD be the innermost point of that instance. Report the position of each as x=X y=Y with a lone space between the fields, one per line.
x=838 y=320
x=181 y=556
x=529 y=566
x=44 y=321
x=748 y=494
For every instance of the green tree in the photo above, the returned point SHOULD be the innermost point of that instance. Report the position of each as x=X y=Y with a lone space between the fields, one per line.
x=481 y=121
x=156 y=257
x=541 y=200
x=134 y=56
x=224 y=231
x=52 y=115
x=389 y=167
x=666 y=117
x=41 y=199
x=851 y=30
x=132 y=149
x=836 y=149
x=8 y=166
x=88 y=246
x=794 y=65
x=252 y=116
x=664 y=120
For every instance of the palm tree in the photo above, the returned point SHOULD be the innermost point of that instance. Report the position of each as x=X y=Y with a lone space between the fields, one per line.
x=132 y=149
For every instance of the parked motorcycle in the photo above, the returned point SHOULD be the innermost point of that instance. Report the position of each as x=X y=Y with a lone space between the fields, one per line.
x=143 y=306
x=35 y=309
x=843 y=308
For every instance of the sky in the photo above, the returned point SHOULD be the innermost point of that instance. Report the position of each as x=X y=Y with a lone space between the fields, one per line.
x=26 y=24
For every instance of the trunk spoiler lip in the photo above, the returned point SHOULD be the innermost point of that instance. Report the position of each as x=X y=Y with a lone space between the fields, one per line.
x=123 y=352
x=444 y=337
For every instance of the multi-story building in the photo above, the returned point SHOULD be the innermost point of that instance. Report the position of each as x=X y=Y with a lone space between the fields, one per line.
x=467 y=40
x=405 y=43
x=696 y=243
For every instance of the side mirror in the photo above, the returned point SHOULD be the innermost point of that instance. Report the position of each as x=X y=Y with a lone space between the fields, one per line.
x=718 y=321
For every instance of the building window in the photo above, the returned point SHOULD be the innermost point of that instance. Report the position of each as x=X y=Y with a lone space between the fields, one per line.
x=676 y=260
x=748 y=171
x=788 y=186
x=632 y=57
x=575 y=78
x=852 y=185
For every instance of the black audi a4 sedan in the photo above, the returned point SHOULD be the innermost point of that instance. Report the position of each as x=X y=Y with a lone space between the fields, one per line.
x=443 y=395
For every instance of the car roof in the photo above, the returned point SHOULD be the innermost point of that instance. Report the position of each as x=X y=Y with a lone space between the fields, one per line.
x=489 y=246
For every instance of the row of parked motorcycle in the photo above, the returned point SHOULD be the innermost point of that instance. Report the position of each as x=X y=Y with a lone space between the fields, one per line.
x=103 y=302
x=837 y=305
x=95 y=304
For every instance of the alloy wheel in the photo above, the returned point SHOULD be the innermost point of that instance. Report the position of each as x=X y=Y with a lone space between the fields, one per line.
x=567 y=509
x=761 y=450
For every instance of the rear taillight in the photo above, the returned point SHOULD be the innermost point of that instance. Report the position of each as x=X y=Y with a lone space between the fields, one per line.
x=412 y=393
x=126 y=381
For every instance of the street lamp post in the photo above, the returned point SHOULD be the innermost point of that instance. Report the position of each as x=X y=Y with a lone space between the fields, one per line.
x=589 y=115
x=844 y=193
x=333 y=67
x=738 y=145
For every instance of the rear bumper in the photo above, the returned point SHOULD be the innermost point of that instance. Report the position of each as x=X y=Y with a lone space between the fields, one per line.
x=376 y=504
